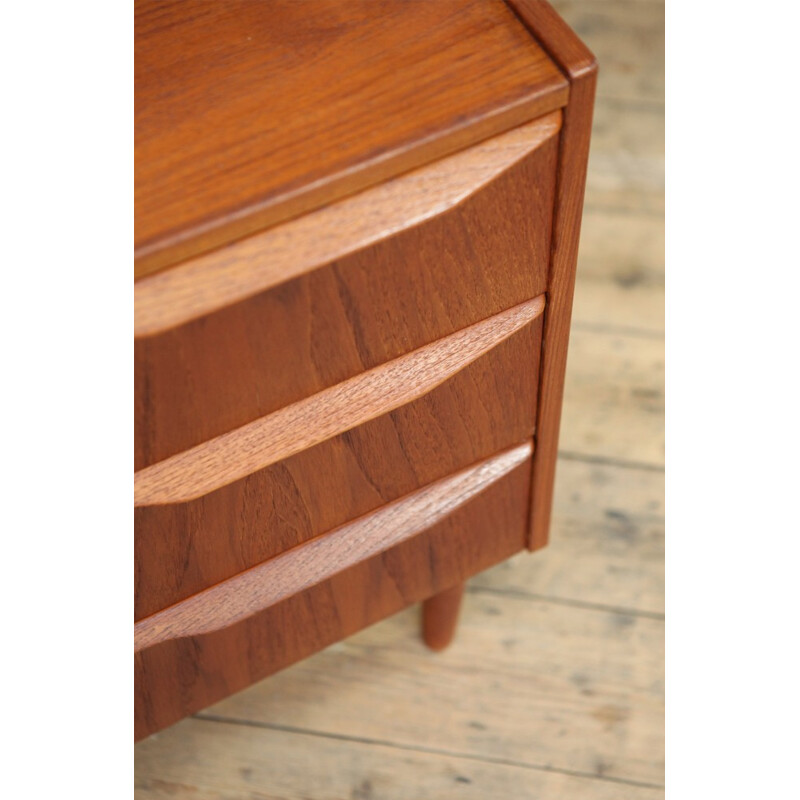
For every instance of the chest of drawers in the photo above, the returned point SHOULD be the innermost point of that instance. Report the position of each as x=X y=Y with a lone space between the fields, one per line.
x=356 y=236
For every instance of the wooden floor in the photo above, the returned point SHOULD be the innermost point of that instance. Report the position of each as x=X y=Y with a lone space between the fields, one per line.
x=554 y=685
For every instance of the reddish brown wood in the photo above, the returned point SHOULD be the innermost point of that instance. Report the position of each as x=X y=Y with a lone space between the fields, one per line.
x=220 y=641
x=248 y=113
x=440 y=617
x=581 y=66
x=334 y=457
x=309 y=398
x=243 y=269
x=294 y=338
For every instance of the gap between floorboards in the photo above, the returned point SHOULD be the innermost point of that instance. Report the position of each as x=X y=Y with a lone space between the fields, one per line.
x=219 y=719
x=614 y=330
x=610 y=462
x=564 y=601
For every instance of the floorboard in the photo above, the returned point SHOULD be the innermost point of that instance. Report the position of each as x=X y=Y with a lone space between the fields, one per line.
x=610 y=307
x=626 y=159
x=541 y=684
x=204 y=760
x=614 y=397
x=620 y=246
x=606 y=547
x=627 y=37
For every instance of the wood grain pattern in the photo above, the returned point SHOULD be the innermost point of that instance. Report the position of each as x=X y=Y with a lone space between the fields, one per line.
x=294 y=571
x=239 y=125
x=529 y=682
x=205 y=759
x=626 y=247
x=628 y=40
x=626 y=167
x=569 y=664
x=581 y=661
x=580 y=65
x=273 y=415
x=623 y=417
x=455 y=402
x=242 y=269
x=420 y=546
x=329 y=413
x=216 y=373
x=607 y=307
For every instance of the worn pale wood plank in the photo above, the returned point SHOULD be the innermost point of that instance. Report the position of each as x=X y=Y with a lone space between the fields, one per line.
x=626 y=159
x=206 y=761
x=625 y=247
x=614 y=397
x=627 y=36
x=606 y=545
x=533 y=682
x=619 y=306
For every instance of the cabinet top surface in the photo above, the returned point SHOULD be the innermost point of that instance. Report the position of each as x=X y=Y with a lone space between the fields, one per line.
x=249 y=112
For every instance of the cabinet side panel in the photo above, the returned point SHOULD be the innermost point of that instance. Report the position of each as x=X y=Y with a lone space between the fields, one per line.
x=580 y=66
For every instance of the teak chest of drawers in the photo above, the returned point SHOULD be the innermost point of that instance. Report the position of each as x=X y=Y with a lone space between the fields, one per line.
x=356 y=235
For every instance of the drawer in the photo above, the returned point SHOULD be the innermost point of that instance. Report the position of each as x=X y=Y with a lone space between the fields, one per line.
x=262 y=323
x=229 y=504
x=225 y=638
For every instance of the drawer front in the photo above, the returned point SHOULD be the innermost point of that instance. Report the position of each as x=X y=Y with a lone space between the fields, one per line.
x=222 y=640
x=242 y=332
x=232 y=503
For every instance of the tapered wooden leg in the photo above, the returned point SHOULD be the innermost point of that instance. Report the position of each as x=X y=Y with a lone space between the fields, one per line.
x=439 y=617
